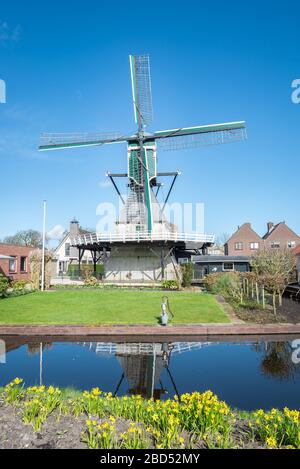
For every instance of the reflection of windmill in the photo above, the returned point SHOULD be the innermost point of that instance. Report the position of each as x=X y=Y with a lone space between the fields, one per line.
x=142 y=367
x=142 y=363
x=142 y=219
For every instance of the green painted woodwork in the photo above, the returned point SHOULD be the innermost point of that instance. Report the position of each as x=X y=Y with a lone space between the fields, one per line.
x=134 y=165
x=200 y=129
x=147 y=190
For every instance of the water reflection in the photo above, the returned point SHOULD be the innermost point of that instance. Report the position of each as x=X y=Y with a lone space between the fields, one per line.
x=142 y=363
x=246 y=373
x=276 y=360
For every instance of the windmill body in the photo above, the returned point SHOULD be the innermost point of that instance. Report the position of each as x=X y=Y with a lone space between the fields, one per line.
x=143 y=246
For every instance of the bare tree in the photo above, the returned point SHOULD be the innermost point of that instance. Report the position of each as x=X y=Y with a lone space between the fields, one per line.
x=221 y=240
x=274 y=269
x=25 y=238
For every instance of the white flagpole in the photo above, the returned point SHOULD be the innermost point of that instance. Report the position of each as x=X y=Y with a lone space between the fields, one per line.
x=41 y=364
x=43 y=248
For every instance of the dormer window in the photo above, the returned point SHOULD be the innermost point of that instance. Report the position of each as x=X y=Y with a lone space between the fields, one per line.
x=67 y=249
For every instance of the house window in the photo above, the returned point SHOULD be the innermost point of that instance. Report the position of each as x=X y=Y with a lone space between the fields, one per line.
x=63 y=267
x=12 y=266
x=23 y=264
x=183 y=260
x=67 y=249
x=275 y=244
x=228 y=266
x=291 y=244
x=254 y=246
x=238 y=246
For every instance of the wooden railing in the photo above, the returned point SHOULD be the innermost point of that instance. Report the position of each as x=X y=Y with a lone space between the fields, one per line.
x=138 y=237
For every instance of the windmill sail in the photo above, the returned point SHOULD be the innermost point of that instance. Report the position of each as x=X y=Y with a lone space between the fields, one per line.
x=141 y=89
x=58 y=141
x=192 y=137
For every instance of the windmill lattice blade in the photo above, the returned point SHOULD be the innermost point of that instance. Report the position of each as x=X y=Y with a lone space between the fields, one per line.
x=141 y=89
x=56 y=141
x=202 y=139
x=200 y=129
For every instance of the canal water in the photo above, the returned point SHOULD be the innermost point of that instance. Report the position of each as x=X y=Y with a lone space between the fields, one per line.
x=246 y=374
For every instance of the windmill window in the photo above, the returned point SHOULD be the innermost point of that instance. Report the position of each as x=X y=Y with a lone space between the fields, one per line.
x=67 y=249
x=291 y=244
x=254 y=246
x=238 y=246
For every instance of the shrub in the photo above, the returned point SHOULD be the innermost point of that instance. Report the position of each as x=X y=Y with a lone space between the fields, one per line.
x=21 y=284
x=3 y=285
x=187 y=274
x=91 y=281
x=226 y=284
x=20 y=292
x=170 y=285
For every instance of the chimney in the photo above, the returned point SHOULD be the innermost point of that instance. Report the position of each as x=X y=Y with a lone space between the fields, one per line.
x=270 y=225
x=74 y=227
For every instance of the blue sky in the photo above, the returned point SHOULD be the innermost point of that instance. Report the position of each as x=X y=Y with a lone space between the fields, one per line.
x=66 y=69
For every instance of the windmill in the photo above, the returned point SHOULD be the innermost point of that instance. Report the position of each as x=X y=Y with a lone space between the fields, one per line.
x=142 y=218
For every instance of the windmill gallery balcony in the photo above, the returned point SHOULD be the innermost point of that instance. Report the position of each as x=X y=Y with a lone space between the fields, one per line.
x=141 y=237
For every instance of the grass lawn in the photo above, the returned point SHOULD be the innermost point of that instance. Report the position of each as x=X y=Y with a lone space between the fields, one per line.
x=95 y=307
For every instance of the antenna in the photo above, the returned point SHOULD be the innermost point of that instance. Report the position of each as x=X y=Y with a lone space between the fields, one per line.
x=141 y=89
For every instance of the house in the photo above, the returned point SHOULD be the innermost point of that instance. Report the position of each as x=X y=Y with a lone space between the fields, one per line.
x=66 y=255
x=280 y=236
x=15 y=261
x=244 y=242
x=204 y=265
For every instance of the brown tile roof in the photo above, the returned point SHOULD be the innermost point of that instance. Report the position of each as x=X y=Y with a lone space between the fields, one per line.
x=275 y=227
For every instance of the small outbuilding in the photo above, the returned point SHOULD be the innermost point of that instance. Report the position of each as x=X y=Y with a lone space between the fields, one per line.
x=204 y=265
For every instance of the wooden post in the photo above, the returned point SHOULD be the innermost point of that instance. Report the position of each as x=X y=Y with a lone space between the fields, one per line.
x=79 y=262
x=263 y=297
x=257 y=292
x=162 y=262
x=274 y=303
